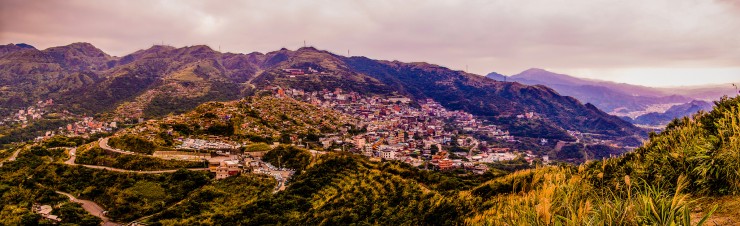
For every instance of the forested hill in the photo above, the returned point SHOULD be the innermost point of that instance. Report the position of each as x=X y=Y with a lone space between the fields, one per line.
x=163 y=79
x=682 y=175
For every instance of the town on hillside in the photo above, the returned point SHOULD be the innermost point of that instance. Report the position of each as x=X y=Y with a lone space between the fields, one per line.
x=424 y=134
x=387 y=128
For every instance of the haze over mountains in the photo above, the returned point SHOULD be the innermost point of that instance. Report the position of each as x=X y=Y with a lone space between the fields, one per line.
x=162 y=79
x=626 y=100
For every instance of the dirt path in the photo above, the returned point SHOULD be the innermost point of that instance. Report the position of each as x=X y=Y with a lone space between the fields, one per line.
x=11 y=158
x=92 y=208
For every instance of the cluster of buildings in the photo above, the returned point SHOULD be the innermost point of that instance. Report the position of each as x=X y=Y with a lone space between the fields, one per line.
x=227 y=166
x=199 y=144
x=415 y=133
x=45 y=110
x=45 y=212
x=84 y=127
x=88 y=125
x=232 y=165
x=34 y=112
x=292 y=72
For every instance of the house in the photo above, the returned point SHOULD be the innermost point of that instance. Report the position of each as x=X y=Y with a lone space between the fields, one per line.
x=480 y=169
x=45 y=212
x=468 y=165
x=294 y=71
x=388 y=154
x=227 y=168
x=215 y=162
x=445 y=164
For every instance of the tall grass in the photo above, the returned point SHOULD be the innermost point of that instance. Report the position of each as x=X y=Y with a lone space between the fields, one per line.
x=657 y=184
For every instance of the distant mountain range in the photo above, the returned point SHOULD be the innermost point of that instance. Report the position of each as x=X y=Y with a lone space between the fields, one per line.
x=660 y=119
x=163 y=79
x=619 y=98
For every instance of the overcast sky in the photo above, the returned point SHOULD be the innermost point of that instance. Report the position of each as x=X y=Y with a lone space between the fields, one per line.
x=656 y=42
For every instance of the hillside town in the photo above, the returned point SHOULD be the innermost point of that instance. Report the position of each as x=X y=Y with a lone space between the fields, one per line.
x=45 y=113
x=397 y=130
x=23 y=116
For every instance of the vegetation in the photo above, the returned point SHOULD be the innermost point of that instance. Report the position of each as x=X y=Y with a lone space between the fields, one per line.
x=257 y=147
x=336 y=189
x=656 y=184
x=101 y=157
x=71 y=141
x=290 y=157
x=132 y=143
x=36 y=173
x=211 y=203
x=661 y=183
x=33 y=130
x=254 y=119
x=71 y=212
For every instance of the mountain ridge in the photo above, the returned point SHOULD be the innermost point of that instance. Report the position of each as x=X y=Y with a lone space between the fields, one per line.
x=164 y=79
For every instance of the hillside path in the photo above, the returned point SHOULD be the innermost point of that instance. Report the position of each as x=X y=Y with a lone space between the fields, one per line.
x=71 y=161
x=92 y=208
x=103 y=143
x=11 y=158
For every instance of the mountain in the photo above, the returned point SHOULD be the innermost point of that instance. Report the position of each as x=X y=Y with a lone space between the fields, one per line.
x=645 y=106
x=497 y=101
x=676 y=111
x=705 y=92
x=608 y=96
x=162 y=79
x=496 y=76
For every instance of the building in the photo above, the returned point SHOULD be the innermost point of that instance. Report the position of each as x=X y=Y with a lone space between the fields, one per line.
x=445 y=164
x=227 y=168
x=45 y=212
x=480 y=169
x=388 y=154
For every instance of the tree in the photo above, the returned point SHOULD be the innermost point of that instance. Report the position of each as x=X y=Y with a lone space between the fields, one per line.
x=289 y=157
x=434 y=149
x=257 y=147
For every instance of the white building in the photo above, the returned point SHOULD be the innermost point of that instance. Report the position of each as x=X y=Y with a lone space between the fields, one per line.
x=388 y=154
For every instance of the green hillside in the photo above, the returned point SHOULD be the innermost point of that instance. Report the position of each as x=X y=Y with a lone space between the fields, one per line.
x=682 y=175
x=260 y=118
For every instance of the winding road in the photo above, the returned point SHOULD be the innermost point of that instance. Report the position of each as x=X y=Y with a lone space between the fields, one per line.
x=103 y=143
x=92 y=208
x=11 y=158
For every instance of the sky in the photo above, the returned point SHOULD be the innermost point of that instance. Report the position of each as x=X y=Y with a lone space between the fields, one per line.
x=654 y=43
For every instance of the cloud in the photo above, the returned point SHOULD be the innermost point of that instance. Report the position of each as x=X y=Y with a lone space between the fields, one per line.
x=505 y=35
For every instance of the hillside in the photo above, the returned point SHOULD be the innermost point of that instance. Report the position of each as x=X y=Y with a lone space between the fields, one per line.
x=254 y=119
x=147 y=83
x=645 y=106
x=496 y=101
x=162 y=79
x=662 y=183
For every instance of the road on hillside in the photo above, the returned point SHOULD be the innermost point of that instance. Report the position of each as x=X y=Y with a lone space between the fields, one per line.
x=71 y=161
x=103 y=143
x=12 y=157
x=92 y=208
